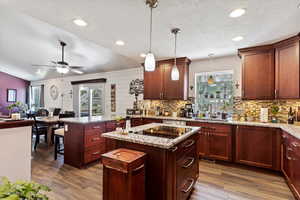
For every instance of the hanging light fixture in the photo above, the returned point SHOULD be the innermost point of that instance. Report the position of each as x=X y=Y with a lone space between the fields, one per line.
x=150 y=59
x=175 y=71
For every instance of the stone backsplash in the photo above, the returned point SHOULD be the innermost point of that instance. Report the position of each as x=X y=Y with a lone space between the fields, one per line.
x=243 y=110
x=250 y=110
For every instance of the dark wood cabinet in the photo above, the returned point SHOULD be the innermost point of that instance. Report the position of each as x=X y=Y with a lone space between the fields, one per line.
x=215 y=140
x=170 y=173
x=288 y=69
x=271 y=71
x=159 y=86
x=84 y=144
x=258 y=73
x=290 y=156
x=258 y=146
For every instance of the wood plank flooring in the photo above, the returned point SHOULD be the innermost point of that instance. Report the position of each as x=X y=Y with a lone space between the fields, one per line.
x=216 y=181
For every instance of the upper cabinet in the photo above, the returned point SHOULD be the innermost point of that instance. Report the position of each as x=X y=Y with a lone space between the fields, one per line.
x=287 y=69
x=158 y=85
x=271 y=71
x=258 y=73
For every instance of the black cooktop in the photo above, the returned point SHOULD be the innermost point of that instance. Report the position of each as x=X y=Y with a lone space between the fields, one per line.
x=164 y=131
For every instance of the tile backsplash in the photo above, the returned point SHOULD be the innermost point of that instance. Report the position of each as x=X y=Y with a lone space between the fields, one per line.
x=249 y=110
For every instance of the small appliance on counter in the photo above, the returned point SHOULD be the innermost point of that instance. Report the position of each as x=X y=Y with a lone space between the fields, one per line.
x=189 y=112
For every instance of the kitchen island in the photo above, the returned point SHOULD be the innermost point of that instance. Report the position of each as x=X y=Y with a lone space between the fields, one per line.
x=171 y=160
x=83 y=143
x=15 y=149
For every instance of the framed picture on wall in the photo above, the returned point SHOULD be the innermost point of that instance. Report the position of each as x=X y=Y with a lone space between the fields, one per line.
x=11 y=95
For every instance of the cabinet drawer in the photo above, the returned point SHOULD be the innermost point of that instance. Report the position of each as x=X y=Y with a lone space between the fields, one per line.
x=92 y=139
x=220 y=128
x=182 y=148
x=97 y=127
x=94 y=153
x=188 y=164
x=185 y=189
x=149 y=121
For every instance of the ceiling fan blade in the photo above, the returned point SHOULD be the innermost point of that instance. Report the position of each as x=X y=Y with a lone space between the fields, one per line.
x=76 y=71
x=43 y=66
x=76 y=67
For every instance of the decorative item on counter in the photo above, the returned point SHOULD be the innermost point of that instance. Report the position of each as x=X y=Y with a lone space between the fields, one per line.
x=264 y=115
x=218 y=96
x=15 y=116
x=274 y=110
x=291 y=116
x=113 y=97
x=130 y=111
x=17 y=107
x=136 y=88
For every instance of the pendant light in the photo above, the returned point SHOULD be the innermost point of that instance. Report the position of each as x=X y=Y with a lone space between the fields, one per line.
x=175 y=71
x=150 y=59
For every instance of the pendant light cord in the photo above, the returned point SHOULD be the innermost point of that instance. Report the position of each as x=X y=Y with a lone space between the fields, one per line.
x=150 y=48
x=175 y=50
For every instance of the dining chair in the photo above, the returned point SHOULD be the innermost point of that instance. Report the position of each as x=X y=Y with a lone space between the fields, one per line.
x=37 y=131
x=42 y=112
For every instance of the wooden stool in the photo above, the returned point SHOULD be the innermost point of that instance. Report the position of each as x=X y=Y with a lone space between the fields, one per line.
x=124 y=175
x=58 y=134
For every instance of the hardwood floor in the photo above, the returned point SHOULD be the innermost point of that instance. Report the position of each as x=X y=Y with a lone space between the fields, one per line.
x=216 y=181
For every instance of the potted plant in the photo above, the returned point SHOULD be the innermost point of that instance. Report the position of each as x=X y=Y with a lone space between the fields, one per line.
x=274 y=110
x=22 y=190
x=17 y=107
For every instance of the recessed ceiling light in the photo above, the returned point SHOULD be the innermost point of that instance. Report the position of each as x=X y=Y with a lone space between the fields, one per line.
x=238 y=38
x=237 y=13
x=143 y=55
x=120 y=43
x=80 y=22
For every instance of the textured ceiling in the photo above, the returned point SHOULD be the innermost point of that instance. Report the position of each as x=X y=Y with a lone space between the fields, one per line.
x=206 y=27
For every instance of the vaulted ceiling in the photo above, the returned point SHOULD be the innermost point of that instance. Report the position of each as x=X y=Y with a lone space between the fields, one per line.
x=29 y=34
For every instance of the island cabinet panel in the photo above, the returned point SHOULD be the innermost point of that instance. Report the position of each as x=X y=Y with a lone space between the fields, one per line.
x=136 y=122
x=84 y=143
x=258 y=146
x=215 y=140
x=158 y=84
x=287 y=69
x=170 y=173
x=258 y=73
x=290 y=165
x=151 y=120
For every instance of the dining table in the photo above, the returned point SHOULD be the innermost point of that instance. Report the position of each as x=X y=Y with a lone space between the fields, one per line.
x=51 y=123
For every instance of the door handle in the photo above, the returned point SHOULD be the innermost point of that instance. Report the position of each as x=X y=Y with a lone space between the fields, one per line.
x=189 y=163
x=190 y=187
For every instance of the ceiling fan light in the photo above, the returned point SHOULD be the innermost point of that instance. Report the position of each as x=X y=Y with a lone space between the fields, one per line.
x=175 y=73
x=62 y=70
x=150 y=62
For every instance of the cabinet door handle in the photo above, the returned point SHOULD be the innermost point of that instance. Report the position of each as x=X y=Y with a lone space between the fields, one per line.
x=96 y=139
x=191 y=161
x=190 y=187
x=173 y=149
x=138 y=168
x=188 y=143
x=96 y=153
x=295 y=144
x=96 y=127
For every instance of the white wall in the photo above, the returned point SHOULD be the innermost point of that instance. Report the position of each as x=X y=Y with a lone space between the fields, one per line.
x=218 y=64
x=123 y=78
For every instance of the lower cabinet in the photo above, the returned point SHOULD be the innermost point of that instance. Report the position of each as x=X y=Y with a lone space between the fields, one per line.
x=258 y=146
x=215 y=140
x=290 y=156
x=142 y=121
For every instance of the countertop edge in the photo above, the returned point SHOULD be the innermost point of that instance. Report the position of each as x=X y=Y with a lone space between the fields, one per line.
x=16 y=124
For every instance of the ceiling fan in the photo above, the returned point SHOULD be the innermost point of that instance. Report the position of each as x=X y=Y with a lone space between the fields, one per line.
x=62 y=66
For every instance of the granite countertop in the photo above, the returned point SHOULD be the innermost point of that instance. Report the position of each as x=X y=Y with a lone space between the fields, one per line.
x=291 y=129
x=87 y=120
x=154 y=141
x=6 y=123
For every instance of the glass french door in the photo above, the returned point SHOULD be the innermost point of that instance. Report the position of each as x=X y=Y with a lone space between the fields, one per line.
x=91 y=101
